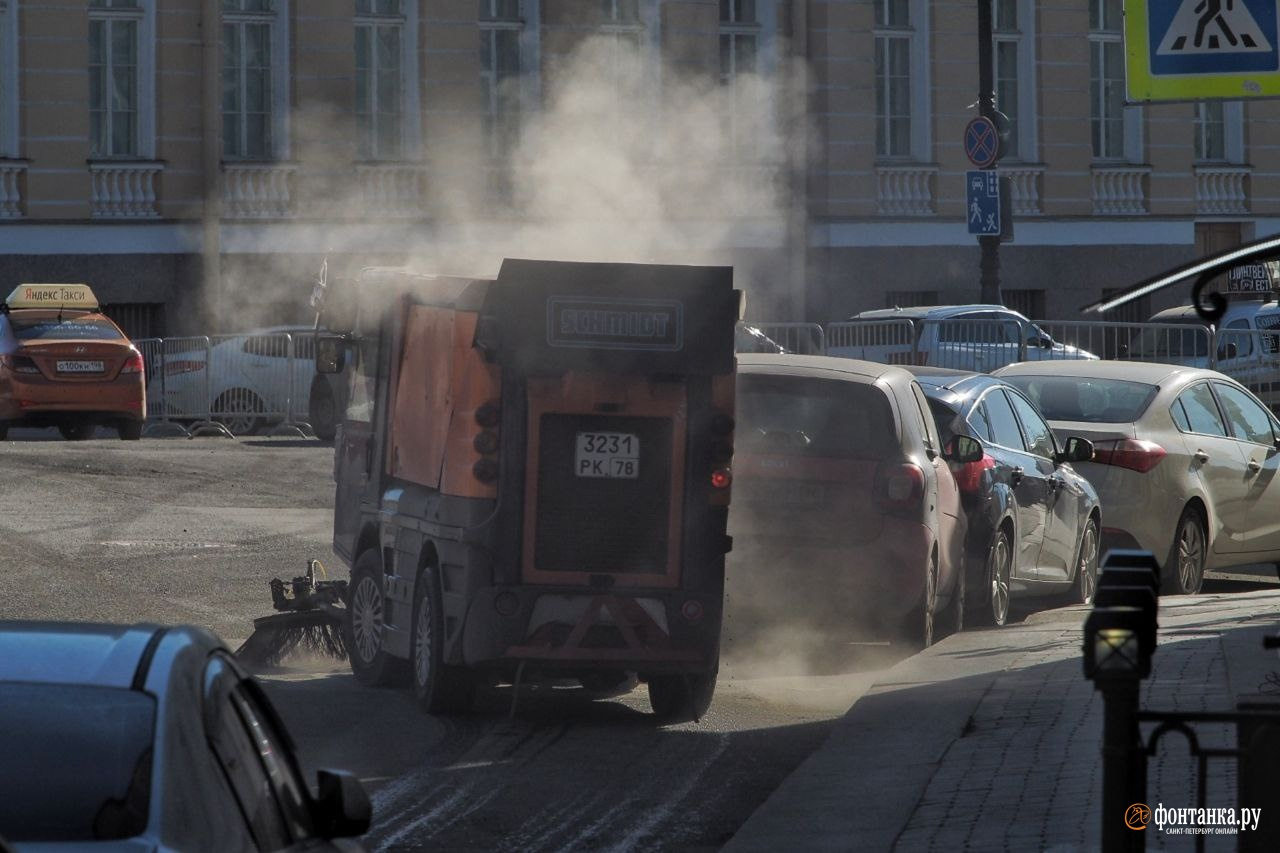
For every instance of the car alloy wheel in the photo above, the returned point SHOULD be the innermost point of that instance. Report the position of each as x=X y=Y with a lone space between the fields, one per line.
x=1087 y=565
x=930 y=601
x=999 y=569
x=423 y=663
x=1189 y=553
x=366 y=619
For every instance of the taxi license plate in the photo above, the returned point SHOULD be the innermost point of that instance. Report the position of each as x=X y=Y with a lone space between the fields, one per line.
x=611 y=455
x=80 y=367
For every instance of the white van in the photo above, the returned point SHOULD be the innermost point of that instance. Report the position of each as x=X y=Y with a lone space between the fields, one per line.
x=1245 y=345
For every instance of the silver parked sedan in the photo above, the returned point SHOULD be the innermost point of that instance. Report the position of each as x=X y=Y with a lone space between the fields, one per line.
x=1185 y=460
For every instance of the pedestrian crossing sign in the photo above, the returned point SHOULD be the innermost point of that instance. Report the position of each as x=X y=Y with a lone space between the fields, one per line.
x=1184 y=50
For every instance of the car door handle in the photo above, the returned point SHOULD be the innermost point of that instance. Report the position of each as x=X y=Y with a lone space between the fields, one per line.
x=1015 y=476
x=1201 y=456
x=1254 y=466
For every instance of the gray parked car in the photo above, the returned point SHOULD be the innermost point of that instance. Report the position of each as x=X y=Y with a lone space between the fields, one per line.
x=154 y=739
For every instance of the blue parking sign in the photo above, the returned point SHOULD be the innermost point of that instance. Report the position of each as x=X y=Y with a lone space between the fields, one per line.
x=982 y=201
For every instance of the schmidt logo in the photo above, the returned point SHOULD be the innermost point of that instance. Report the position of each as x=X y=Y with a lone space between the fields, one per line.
x=599 y=323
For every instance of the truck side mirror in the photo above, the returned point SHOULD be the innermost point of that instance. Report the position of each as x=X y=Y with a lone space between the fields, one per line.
x=331 y=354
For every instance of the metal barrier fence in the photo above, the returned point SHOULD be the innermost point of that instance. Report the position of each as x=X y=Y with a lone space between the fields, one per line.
x=801 y=338
x=236 y=384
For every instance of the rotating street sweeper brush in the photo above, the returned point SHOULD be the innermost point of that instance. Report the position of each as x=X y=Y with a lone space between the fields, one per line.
x=310 y=619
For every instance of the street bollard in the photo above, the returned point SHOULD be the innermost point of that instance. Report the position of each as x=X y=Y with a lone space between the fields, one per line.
x=1119 y=640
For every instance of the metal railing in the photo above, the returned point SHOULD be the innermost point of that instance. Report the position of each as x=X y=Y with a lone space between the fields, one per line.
x=229 y=384
x=800 y=338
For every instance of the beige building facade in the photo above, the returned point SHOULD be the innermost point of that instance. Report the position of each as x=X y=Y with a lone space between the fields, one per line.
x=195 y=160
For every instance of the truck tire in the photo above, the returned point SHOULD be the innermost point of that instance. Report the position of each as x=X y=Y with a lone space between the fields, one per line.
x=129 y=429
x=322 y=410
x=437 y=687
x=366 y=610
x=681 y=698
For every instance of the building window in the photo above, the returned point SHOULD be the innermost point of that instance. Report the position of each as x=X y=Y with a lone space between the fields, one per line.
x=1015 y=73
x=902 y=79
x=501 y=27
x=248 y=86
x=893 y=37
x=910 y=298
x=739 y=39
x=115 y=77
x=1219 y=127
x=8 y=79
x=625 y=33
x=1029 y=303
x=380 y=79
x=1106 y=80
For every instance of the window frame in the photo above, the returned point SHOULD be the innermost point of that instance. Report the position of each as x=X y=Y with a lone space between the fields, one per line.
x=410 y=141
x=1015 y=395
x=1024 y=119
x=1232 y=121
x=490 y=26
x=278 y=124
x=1131 y=130
x=917 y=33
x=1222 y=419
x=982 y=401
x=1217 y=384
x=143 y=14
x=10 y=93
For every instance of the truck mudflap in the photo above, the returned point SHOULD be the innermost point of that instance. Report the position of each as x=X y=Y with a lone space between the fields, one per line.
x=644 y=640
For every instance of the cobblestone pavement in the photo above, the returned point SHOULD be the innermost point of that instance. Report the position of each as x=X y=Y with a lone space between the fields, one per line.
x=992 y=740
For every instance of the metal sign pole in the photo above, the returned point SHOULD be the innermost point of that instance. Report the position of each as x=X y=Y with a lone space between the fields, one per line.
x=989 y=264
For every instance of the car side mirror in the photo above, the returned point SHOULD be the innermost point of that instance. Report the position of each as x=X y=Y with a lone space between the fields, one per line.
x=331 y=354
x=1077 y=450
x=963 y=449
x=342 y=808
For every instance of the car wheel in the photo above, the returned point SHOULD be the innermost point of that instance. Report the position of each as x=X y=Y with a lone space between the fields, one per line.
x=999 y=571
x=1184 y=570
x=238 y=410
x=681 y=698
x=437 y=687
x=322 y=411
x=77 y=432
x=930 y=607
x=1087 y=565
x=130 y=430
x=366 y=614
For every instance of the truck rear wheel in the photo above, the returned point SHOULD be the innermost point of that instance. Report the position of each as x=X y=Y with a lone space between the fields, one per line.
x=366 y=614
x=681 y=698
x=437 y=687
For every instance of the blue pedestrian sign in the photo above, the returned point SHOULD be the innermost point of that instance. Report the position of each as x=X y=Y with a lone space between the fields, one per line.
x=982 y=201
x=1193 y=49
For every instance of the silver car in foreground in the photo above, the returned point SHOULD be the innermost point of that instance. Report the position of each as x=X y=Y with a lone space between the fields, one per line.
x=1185 y=460
x=152 y=739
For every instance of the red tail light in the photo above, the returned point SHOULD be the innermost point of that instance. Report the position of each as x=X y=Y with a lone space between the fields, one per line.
x=968 y=475
x=178 y=366
x=721 y=478
x=19 y=364
x=1132 y=453
x=898 y=487
x=133 y=365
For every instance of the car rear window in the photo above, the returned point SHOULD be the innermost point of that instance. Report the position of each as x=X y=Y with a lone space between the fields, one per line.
x=69 y=328
x=801 y=416
x=1078 y=398
x=82 y=758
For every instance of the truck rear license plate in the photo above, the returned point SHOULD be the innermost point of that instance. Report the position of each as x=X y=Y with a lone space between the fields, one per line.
x=614 y=455
x=79 y=367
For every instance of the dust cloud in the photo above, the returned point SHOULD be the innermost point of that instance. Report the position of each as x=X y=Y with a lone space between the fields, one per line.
x=622 y=161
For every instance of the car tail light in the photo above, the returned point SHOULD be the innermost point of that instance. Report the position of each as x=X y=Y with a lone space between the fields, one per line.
x=19 y=363
x=968 y=475
x=899 y=487
x=1132 y=453
x=179 y=366
x=487 y=442
x=134 y=364
x=721 y=478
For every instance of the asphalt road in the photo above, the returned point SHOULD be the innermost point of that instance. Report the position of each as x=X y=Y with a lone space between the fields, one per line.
x=191 y=531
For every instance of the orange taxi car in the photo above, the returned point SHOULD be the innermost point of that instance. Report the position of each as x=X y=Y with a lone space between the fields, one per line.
x=64 y=364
